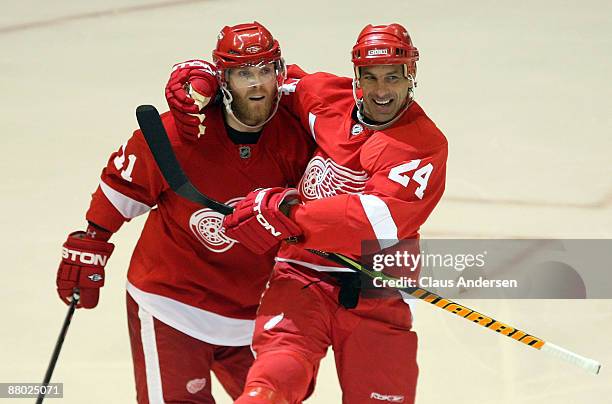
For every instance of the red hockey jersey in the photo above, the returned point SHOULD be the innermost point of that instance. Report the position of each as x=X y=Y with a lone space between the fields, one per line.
x=360 y=184
x=183 y=270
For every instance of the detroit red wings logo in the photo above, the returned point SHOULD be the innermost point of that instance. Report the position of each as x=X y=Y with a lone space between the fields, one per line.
x=206 y=226
x=324 y=178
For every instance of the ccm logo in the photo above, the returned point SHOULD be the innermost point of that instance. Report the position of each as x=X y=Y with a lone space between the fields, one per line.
x=262 y=220
x=374 y=52
x=84 y=257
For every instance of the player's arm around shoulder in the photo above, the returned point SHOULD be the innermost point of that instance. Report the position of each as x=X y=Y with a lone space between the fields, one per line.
x=305 y=93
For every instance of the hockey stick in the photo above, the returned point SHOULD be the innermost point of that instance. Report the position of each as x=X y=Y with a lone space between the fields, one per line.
x=157 y=139
x=58 y=346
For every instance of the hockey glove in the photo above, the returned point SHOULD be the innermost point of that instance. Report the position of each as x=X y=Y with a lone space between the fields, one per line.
x=190 y=88
x=258 y=221
x=82 y=267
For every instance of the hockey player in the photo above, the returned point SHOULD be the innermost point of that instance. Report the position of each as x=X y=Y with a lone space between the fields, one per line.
x=377 y=174
x=192 y=292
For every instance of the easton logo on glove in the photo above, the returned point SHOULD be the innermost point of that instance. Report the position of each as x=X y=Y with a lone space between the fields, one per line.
x=82 y=268
x=260 y=218
x=259 y=221
x=84 y=257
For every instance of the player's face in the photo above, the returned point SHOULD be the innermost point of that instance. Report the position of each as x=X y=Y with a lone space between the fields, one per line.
x=253 y=90
x=385 y=91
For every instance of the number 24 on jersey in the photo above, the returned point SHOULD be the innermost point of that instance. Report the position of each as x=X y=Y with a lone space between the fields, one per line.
x=421 y=175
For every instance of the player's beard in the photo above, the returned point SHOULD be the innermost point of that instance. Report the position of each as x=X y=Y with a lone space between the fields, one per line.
x=251 y=112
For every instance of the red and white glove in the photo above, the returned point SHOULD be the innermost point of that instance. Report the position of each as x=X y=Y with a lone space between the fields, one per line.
x=190 y=88
x=82 y=267
x=258 y=221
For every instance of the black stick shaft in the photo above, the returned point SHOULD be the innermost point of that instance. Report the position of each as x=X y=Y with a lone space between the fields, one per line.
x=58 y=346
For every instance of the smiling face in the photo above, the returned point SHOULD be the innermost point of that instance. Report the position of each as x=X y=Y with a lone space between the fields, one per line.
x=254 y=91
x=385 y=91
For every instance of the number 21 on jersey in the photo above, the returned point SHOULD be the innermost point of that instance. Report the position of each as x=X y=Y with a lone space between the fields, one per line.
x=420 y=176
x=119 y=161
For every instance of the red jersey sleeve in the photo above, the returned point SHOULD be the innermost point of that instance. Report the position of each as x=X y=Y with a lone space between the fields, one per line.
x=130 y=183
x=304 y=94
x=406 y=182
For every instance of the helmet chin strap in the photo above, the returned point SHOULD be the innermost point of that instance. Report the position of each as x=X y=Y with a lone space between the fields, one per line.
x=228 y=98
x=382 y=125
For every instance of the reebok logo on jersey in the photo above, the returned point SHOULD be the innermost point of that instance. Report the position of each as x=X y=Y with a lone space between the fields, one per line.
x=374 y=52
x=84 y=257
x=260 y=218
x=389 y=398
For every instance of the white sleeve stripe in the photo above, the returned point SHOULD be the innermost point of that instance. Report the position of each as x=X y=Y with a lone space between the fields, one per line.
x=311 y=122
x=128 y=207
x=380 y=219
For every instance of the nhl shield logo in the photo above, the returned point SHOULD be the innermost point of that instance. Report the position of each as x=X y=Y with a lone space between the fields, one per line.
x=244 y=151
x=356 y=129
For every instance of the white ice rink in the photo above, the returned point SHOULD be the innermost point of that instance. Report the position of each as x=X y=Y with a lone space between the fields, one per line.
x=521 y=90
